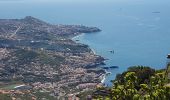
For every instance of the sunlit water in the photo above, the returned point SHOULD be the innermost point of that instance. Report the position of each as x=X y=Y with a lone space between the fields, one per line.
x=131 y=28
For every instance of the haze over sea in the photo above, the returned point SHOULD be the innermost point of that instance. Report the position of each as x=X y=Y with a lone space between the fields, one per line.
x=137 y=30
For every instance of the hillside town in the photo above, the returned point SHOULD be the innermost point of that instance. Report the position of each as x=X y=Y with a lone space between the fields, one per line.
x=40 y=57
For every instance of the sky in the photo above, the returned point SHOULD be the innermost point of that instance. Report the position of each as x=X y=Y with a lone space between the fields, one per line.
x=68 y=0
x=52 y=0
x=84 y=2
x=55 y=1
x=81 y=1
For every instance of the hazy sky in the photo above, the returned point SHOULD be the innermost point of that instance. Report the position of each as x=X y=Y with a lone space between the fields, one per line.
x=62 y=1
x=88 y=2
x=67 y=0
x=97 y=1
x=53 y=0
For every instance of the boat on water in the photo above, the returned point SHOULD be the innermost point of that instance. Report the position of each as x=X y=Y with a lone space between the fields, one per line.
x=114 y=67
x=105 y=67
x=110 y=67
x=111 y=51
x=107 y=73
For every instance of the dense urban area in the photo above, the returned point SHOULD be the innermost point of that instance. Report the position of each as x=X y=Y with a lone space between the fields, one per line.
x=40 y=61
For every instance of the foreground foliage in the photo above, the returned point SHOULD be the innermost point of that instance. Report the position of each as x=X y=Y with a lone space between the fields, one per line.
x=131 y=88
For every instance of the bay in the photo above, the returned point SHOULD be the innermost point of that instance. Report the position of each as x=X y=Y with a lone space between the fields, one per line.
x=131 y=28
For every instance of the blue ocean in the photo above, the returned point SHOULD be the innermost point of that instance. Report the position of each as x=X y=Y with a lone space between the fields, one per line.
x=137 y=30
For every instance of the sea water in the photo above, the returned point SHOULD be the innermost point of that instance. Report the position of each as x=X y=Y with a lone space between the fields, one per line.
x=137 y=30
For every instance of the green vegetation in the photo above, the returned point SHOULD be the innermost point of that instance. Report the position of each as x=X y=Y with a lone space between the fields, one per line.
x=168 y=73
x=51 y=60
x=83 y=95
x=143 y=74
x=9 y=87
x=43 y=95
x=25 y=56
x=5 y=97
x=28 y=96
x=38 y=95
x=23 y=96
x=134 y=87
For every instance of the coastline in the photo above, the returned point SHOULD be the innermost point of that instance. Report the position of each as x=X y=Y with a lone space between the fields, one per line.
x=93 y=51
x=77 y=37
x=103 y=78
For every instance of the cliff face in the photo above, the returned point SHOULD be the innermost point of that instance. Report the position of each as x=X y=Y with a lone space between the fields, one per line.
x=35 y=52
